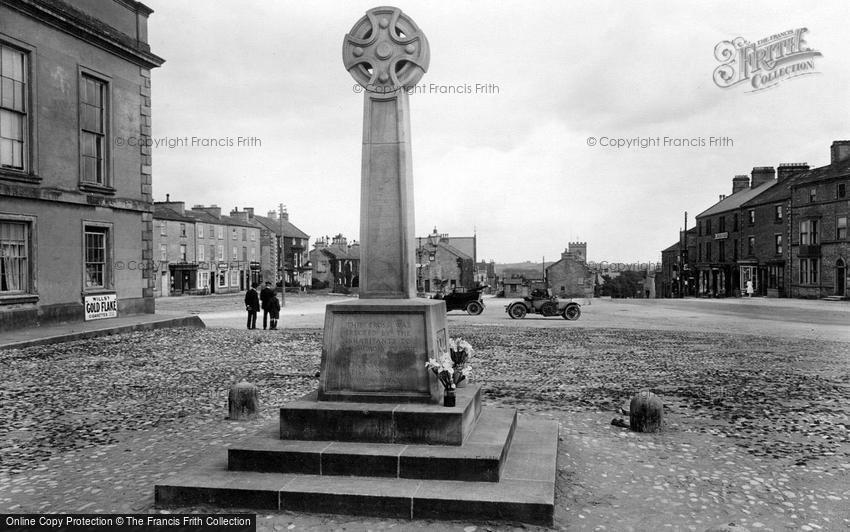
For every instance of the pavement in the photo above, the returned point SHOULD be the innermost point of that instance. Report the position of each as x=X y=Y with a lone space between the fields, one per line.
x=65 y=332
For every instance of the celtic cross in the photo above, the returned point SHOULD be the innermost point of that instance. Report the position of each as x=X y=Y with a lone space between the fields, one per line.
x=385 y=52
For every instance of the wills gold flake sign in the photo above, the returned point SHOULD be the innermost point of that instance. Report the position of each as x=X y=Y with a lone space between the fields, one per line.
x=101 y=306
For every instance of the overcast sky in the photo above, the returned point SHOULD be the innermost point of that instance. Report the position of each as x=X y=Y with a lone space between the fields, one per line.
x=512 y=162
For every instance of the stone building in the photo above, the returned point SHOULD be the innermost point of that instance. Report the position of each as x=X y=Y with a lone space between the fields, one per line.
x=725 y=251
x=570 y=276
x=766 y=234
x=335 y=263
x=210 y=249
x=485 y=275
x=176 y=250
x=202 y=252
x=277 y=231
x=445 y=263
x=514 y=287
x=820 y=208
x=787 y=229
x=676 y=278
x=76 y=227
x=249 y=249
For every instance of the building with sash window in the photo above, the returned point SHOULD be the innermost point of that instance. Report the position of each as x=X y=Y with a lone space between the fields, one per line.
x=76 y=210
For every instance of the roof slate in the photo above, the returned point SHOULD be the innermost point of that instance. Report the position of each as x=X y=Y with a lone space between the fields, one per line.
x=289 y=230
x=825 y=172
x=736 y=200
x=161 y=212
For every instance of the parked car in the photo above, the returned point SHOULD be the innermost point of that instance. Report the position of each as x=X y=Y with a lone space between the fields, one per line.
x=543 y=303
x=464 y=299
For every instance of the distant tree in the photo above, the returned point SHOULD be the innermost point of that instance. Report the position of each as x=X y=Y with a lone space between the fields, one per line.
x=627 y=284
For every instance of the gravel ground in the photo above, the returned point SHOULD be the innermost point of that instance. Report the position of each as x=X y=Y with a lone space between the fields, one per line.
x=757 y=428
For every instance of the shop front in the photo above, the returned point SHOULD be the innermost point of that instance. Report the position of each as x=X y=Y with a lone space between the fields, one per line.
x=184 y=278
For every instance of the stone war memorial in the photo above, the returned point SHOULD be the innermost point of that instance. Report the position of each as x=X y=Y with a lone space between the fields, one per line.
x=375 y=438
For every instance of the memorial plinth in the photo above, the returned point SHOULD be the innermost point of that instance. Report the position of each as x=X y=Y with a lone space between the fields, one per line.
x=375 y=351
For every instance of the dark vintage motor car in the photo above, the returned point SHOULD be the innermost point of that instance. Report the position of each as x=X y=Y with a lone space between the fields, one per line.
x=541 y=302
x=468 y=299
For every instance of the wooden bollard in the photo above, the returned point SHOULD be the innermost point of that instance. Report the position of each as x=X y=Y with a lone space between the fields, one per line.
x=646 y=412
x=243 y=402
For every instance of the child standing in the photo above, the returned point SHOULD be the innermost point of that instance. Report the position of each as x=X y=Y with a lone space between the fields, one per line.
x=274 y=312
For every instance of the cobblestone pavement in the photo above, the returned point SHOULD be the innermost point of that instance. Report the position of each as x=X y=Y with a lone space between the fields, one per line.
x=757 y=428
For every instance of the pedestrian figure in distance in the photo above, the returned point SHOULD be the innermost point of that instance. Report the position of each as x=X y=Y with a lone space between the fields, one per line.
x=265 y=296
x=252 y=305
x=750 y=288
x=274 y=312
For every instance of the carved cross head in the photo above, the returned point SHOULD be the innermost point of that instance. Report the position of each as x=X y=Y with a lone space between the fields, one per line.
x=385 y=51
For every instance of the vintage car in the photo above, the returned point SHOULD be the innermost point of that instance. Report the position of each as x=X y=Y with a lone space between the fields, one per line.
x=541 y=302
x=464 y=299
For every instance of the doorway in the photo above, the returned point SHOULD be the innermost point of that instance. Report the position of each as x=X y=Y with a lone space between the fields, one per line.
x=840 y=277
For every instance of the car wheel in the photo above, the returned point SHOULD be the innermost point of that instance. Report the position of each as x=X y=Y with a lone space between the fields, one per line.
x=517 y=311
x=474 y=308
x=572 y=312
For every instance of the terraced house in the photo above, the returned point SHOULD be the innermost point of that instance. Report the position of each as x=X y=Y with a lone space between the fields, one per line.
x=820 y=208
x=784 y=231
x=75 y=175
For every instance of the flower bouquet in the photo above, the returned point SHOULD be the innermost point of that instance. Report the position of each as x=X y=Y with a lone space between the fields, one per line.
x=452 y=368
x=460 y=352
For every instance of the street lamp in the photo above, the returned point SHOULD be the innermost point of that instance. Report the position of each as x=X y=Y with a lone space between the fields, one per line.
x=434 y=238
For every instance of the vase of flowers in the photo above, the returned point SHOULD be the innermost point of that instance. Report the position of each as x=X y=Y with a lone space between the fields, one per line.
x=460 y=351
x=452 y=368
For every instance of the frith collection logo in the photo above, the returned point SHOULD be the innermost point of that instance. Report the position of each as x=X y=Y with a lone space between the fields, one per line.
x=765 y=63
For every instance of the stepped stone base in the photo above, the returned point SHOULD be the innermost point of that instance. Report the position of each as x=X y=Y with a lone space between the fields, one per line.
x=525 y=490
x=311 y=419
x=480 y=458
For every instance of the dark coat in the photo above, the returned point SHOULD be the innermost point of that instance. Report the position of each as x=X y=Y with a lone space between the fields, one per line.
x=265 y=295
x=273 y=306
x=252 y=300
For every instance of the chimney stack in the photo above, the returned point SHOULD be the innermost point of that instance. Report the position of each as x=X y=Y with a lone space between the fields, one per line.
x=168 y=198
x=739 y=183
x=272 y=215
x=786 y=170
x=761 y=175
x=242 y=215
x=722 y=197
x=250 y=211
x=840 y=151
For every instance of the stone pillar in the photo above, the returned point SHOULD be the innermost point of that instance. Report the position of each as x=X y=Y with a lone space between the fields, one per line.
x=375 y=349
x=387 y=241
